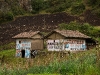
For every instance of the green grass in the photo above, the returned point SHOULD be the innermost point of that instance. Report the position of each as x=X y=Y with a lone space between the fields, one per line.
x=43 y=74
x=51 y=63
x=97 y=27
x=8 y=52
x=7 y=55
x=7 y=46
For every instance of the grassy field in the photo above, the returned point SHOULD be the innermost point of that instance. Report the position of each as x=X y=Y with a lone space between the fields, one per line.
x=51 y=63
x=43 y=74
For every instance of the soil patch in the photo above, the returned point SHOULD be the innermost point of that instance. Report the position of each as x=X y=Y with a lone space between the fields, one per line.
x=41 y=22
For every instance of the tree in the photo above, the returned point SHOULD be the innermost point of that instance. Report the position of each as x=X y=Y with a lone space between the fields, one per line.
x=84 y=28
x=37 y=5
x=71 y=26
x=7 y=16
x=77 y=8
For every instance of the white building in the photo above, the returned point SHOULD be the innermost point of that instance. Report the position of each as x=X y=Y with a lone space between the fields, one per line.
x=65 y=40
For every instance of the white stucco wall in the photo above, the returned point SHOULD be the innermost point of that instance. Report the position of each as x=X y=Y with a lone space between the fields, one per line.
x=24 y=44
x=75 y=44
x=66 y=44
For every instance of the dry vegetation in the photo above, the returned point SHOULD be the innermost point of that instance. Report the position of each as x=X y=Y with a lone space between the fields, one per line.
x=86 y=63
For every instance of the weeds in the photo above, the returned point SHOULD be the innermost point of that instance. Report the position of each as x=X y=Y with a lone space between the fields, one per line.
x=82 y=63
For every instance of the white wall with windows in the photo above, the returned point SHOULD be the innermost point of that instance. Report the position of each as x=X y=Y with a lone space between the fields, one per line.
x=66 y=44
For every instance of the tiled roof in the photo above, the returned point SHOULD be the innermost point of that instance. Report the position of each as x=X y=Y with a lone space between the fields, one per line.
x=26 y=34
x=70 y=33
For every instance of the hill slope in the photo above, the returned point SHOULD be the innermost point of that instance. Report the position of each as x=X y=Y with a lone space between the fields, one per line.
x=42 y=22
x=45 y=22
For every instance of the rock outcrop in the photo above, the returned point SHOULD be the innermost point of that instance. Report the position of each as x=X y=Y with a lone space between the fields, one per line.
x=6 y=5
x=25 y=4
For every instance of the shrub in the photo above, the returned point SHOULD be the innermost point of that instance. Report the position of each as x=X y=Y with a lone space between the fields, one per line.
x=77 y=64
x=77 y=9
x=17 y=10
x=84 y=28
x=7 y=16
x=37 y=5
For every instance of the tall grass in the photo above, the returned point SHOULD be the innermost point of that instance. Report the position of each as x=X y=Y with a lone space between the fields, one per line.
x=82 y=63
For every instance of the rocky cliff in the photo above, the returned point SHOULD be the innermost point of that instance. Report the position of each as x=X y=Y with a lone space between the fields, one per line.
x=25 y=4
x=6 y=5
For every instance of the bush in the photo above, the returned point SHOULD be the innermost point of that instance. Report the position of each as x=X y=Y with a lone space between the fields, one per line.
x=55 y=9
x=9 y=16
x=85 y=63
x=4 y=17
x=17 y=10
x=77 y=9
x=84 y=28
x=37 y=5
x=96 y=11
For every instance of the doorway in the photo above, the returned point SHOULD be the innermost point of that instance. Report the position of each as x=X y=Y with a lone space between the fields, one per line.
x=23 y=53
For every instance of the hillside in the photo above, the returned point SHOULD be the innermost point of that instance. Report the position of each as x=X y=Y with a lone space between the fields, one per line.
x=41 y=22
x=53 y=13
x=9 y=9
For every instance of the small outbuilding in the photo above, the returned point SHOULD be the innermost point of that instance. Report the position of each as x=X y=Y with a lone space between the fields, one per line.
x=28 y=42
x=65 y=40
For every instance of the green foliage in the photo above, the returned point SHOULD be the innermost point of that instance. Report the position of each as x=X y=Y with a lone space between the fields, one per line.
x=77 y=9
x=13 y=9
x=73 y=7
x=43 y=74
x=37 y=5
x=80 y=66
x=53 y=6
x=7 y=16
x=17 y=10
x=50 y=6
x=96 y=11
x=93 y=5
x=84 y=28
x=55 y=9
x=70 y=26
x=7 y=46
x=84 y=63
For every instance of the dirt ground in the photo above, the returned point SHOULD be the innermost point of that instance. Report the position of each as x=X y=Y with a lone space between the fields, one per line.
x=41 y=22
